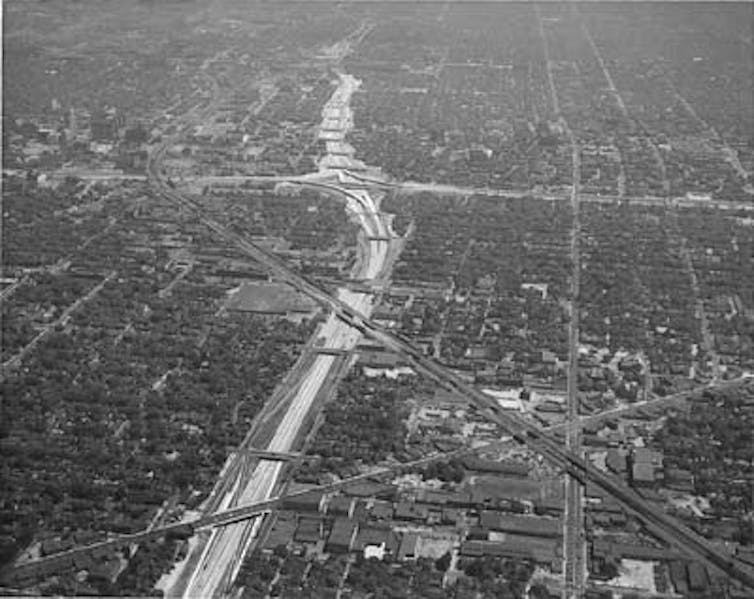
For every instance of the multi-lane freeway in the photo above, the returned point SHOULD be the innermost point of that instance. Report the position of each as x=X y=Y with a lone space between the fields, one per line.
x=221 y=556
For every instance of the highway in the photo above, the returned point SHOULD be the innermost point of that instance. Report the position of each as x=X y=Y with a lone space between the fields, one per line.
x=222 y=555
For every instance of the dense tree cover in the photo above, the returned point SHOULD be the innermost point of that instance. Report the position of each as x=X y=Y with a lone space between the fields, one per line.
x=721 y=247
x=485 y=577
x=364 y=424
x=44 y=225
x=144 y=569
x=307 y=219
x=384 y=579
x=483 y=252
x=465 y=241
x=36 y=303
x=714 y=440
x=138 y=398
x=126 y=447
x=294 y=576
x=256 y=574
x=480 y=127
x=442 y=563
x=499 y=577
x=635 y=291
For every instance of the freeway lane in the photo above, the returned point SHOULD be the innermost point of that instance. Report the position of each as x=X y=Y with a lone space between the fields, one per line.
x=222 y=556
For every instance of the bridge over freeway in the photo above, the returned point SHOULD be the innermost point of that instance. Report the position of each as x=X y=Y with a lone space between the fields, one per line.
x=280 y=456
x=331 y=351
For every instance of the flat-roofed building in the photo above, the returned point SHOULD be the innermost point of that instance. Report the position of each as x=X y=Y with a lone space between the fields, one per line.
x=407 y=549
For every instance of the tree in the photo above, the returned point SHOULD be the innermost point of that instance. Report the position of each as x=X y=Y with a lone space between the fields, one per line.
x=443 y=563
